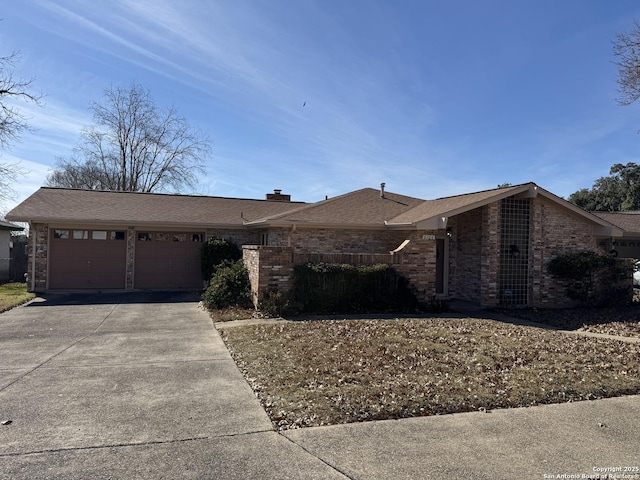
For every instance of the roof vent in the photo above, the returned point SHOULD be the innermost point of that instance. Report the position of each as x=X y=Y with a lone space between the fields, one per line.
x=382 y=190
x=277 y=196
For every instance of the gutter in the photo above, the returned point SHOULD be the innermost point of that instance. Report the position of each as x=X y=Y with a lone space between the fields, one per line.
x=403 y=224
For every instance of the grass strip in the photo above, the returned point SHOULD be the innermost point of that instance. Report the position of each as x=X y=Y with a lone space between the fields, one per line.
x=13 y=294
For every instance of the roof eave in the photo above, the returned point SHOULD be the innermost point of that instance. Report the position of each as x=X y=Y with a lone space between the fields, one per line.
x=133 y=223
x=301 y=224
x=435 y=222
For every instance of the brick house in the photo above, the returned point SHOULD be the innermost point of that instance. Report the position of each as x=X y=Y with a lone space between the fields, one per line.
x=488 y=247
x=628 y=245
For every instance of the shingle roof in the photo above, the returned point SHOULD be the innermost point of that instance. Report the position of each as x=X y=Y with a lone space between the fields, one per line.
x=365 y=207
x=433 y=214
x=69 y=205
x=452 y=205
x=361 y=208
x=628 y=221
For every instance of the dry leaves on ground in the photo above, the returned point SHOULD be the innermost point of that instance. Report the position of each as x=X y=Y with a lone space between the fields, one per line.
x=328 y=372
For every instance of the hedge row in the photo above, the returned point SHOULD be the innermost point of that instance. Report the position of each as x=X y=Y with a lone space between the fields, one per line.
x=341 y=288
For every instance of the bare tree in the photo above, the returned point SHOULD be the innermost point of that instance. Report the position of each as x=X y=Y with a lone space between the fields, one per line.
x=133 y=146
x=9 y=173
x=626 y=49
x=12 y=122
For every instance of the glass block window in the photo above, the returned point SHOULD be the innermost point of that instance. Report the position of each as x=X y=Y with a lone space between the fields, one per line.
x=513 y=276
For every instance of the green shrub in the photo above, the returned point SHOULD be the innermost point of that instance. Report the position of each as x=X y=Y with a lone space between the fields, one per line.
x=229 y=287
x=341 y=288
x=214 y=252
x=593 y=278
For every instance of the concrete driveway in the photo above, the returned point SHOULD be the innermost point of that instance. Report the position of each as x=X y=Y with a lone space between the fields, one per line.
x=141 y=386
x=131 y=386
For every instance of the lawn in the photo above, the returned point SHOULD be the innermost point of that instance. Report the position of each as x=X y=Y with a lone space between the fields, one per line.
x=311 y=373
x=13 y=294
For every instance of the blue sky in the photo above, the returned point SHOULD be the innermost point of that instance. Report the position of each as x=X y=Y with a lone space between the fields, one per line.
x=433 y=98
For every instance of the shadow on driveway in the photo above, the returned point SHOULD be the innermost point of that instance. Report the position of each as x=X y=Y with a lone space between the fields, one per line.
x=113 y=298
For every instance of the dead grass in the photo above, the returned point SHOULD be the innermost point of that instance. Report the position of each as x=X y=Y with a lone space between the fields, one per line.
x=330 y=372
x=13 y=294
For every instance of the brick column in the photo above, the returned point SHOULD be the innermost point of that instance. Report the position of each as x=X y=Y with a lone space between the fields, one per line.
x=270 y=268
x=537 y=287
x=38 y=257
x=130 y=258
x=490 y=256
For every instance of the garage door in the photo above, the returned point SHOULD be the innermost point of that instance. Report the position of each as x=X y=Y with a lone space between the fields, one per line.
x=92 y=259
x=168 y=260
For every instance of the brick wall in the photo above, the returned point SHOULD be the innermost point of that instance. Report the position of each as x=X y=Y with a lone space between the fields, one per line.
x=41 y=233
x=251 y=259
x=465 y=253
x=318 y=240
x=270 y=268
x=490 y=257
x=417 y=262
x=130 y=258
x=474 y=249
x=555 y=231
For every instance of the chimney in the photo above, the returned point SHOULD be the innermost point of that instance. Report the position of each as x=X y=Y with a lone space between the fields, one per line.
x=277 y=196
x=382 y=190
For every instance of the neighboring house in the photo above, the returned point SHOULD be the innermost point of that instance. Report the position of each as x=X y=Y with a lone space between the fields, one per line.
x=489 y=247
x=628 y=245
x=5 y=249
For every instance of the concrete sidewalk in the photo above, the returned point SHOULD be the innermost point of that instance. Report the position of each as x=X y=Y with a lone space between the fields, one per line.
x=141 y=386
x=523 y=443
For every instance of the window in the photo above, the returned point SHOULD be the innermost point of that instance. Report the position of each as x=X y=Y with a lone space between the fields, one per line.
x=180 y=237
x=196 y=237
x=144 y=237
x=61 y=234
x=99 y=235
x=80 y=234
x=162 y=237
x=118 y=235
x=264 y=239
